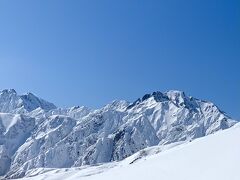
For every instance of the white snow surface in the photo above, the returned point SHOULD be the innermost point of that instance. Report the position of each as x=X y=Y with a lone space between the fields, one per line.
x=36 y=134
x=213 y=157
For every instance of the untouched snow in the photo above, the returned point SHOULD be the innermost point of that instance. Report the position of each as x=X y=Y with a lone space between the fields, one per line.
x=214 y=157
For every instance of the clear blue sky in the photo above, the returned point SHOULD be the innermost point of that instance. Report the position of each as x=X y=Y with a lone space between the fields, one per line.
x=90 y=52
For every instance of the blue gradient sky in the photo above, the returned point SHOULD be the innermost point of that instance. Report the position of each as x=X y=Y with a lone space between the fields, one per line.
x=90 y=52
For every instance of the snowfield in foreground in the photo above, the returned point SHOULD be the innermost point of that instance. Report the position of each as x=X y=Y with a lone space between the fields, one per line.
x=214 y=157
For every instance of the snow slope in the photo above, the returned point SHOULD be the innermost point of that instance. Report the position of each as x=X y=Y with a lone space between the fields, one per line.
x=214 y=157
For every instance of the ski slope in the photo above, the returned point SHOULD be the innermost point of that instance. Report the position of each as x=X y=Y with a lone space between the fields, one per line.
x=214 y=157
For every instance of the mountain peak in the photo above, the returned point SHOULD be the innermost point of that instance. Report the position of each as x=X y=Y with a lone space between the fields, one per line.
x=176 y=94
x=8 y=91
x=159 y=97
x=31 y=102
x=11 y=102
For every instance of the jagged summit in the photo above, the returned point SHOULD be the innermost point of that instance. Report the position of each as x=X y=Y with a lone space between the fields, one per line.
x=8 y=91
x=157 y=96
x=179 y=98
x=32 y=102
x=11 y=102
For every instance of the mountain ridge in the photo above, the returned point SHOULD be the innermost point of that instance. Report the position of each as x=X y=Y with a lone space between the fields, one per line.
x=11 y=102
x=71 y=137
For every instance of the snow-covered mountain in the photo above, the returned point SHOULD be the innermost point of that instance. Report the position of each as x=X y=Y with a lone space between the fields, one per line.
x=214 y=157
x=11 y=102
x=53 y=137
